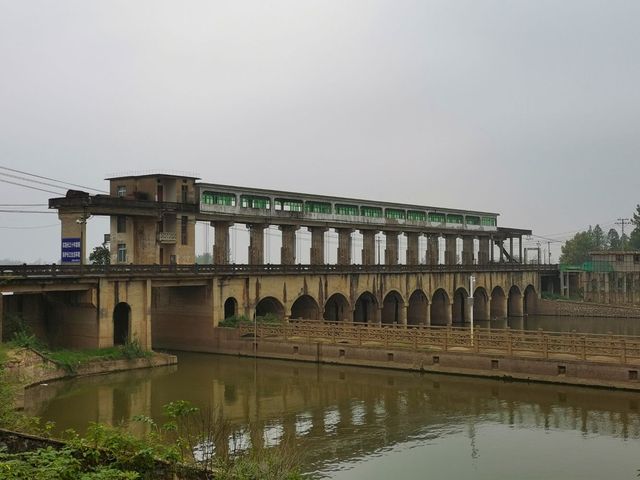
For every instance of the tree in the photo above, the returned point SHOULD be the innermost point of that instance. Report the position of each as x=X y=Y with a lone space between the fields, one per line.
x=634 y=238
x=576 y=250
x=100 y=255
x=613 y=239
x=599 y=240
x=204 y=259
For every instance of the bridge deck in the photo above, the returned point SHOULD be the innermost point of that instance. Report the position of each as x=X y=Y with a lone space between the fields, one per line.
x=47 y=271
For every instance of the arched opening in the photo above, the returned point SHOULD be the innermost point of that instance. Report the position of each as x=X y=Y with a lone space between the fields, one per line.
x=530 y=300
x=498 y=303
x=480 y=304
x=305 y=308
x=121 y=323
x=393 y=309
x=418 y=312
x=366 y=310
x=440 y=308
x=270 y=306
x=230 y=307
x=514 y=304
x=459 y=312
x=337 y=308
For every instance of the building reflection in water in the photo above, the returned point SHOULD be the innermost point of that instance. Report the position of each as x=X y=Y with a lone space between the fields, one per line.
x=334 y=413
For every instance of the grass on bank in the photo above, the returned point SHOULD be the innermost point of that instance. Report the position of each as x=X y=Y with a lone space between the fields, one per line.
x=22 y=337
x=236 y=320
x=170 y=450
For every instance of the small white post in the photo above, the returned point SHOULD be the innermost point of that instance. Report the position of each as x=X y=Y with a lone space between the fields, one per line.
x=472 y=284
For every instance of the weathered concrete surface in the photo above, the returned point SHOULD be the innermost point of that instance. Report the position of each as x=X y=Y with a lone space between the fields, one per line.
x=27 y=367
x=584 y=309
x=571 y=372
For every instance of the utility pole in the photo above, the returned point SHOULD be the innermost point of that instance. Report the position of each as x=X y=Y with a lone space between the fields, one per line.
x=622 y=222
x=549 y=249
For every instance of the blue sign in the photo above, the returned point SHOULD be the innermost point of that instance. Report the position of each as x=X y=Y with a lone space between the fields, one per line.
x=71 y=250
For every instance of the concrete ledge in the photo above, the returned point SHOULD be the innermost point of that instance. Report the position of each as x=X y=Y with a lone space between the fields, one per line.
x=557 y=371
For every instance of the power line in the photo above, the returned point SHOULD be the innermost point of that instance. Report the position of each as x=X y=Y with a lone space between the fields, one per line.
x=30 y=227
x=3 y=210
x=29 y=186
x=26 y=179
x=52 y=179
x=23 y=204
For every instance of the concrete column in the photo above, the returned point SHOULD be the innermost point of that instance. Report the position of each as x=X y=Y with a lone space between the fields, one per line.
x=256 y=243
x=74 y=231
x=368 y=247
x=391 y=250
x=450 y=314
x=413 y=242
x=483 y=250
x=492 y=250
x=427 y=321
x=450 y=249
x=501 y=247
x=511 y=249
x=221 y=242
x=344 y=246
x=433 y=249
x=521 y=250
x=317 y=245
x=467 y=250
x=288 y=249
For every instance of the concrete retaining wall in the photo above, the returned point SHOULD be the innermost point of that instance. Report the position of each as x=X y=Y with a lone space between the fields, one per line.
x=571 y=372
x=584 y=309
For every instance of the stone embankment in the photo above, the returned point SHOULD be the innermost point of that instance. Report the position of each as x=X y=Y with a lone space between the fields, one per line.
x=27 y=367
x=568 y=308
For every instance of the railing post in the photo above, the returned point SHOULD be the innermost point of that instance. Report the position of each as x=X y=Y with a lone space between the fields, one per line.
x=509 y=342
x=476 y=341
x=624 y=351
x=584 y=347
x=546 y=346
x=284 y=331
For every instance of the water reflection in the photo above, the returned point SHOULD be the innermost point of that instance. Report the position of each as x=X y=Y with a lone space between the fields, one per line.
x=345 y=416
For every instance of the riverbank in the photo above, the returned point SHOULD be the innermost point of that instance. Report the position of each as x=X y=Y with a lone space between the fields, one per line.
x=25 y=367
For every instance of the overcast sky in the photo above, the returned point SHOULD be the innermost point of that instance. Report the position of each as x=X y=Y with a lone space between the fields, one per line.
x=527 y=108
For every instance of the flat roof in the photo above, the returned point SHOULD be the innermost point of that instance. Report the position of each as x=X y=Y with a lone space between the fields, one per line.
x=311 y=196
x=118 y=176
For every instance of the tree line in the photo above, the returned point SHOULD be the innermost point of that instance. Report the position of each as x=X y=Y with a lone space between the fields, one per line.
x=576 y=250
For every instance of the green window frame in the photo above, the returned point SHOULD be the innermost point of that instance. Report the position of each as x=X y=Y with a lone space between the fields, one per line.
x=472 y=220
x=343 y=209
x=251 y=201
x=288 y=205
x=437 y=217
x=317 y=207
x=375 y=212
x=219 y=198
x=454 y=218
x=416 y=216
x=489 y=222
x=395 y=214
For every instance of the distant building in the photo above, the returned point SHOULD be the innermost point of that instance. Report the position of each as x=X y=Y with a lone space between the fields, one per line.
x=612 y=277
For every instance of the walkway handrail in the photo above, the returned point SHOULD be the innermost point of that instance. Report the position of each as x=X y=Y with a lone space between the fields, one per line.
x=54 y=270
x=591 y=347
